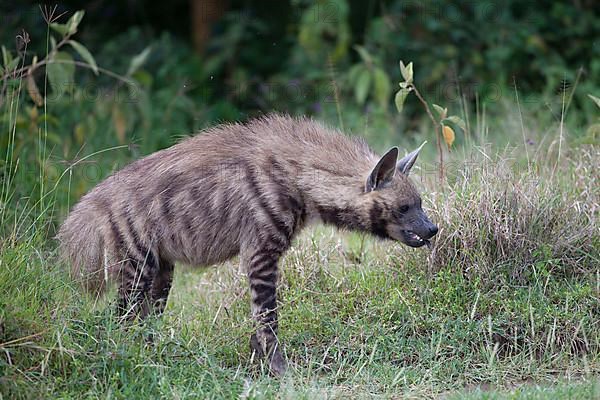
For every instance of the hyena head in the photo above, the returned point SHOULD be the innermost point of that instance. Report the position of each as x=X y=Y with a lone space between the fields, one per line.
x=394 y=204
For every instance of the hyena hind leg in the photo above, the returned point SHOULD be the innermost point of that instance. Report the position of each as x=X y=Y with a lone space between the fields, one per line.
x=134 y=291
x=161 y=286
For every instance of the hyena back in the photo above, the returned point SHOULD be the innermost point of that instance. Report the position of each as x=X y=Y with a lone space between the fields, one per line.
x=234 y=189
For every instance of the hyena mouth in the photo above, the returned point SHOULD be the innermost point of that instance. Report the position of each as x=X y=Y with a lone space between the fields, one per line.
x=414 y=240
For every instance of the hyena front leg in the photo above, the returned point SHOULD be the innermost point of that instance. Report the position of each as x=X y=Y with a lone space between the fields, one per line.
x=262 y=272
x=161 y=286
x=134 y=292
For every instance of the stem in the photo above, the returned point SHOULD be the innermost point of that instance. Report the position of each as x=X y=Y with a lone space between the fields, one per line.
x=28 y=69
x=438 y=129
x=21 y=72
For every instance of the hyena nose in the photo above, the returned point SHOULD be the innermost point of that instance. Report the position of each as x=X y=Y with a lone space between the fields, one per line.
x=433 y=229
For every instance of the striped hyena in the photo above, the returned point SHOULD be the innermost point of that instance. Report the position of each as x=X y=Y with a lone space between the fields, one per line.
x=234 y=189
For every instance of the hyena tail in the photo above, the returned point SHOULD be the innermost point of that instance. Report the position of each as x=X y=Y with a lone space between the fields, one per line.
x=82 y=246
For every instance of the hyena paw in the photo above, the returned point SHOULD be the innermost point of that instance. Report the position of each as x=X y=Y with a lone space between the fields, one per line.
x=255 y=346
x=278 y=364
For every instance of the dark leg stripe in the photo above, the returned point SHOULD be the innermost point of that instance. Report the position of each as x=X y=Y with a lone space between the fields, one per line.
x=330 y=215
x=161 y=286
x=260 y=287
x=128 y=273
x=262 y=257
x=264 y=266
x=268 y=320
x=265 y=274
x=134 y=289
x=266 y=300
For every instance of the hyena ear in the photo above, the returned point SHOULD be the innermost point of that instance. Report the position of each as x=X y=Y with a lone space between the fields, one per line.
x=407 y=162
x=384 y=170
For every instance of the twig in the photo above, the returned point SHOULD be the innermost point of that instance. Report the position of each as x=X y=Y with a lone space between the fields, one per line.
x=23 y=338
x=438 y=129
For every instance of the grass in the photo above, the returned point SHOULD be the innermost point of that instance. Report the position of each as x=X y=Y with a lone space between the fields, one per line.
x=359 y=317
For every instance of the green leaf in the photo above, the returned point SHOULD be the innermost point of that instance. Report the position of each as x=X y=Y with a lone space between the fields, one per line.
x=6 y=56
x=60 y=70
x=400 y=98
x=354 y=72
x=63 y=29
x=362 y=86
x=12 y=64
x=138 y=61
x=382 y=86
x=85 y=54
x=442 y=112
x=74 y=21
x=143 y=77
x=52 y=42
x=595 y=99
x=53 y=137
x=457 y=121
x=364 y=54
x=407 y=71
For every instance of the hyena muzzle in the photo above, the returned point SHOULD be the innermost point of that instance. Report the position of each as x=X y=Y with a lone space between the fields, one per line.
x=236 y=189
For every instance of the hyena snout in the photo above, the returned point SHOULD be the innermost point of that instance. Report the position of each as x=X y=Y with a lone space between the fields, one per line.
x=419 y=232
x=431 y=230
x=425 y=229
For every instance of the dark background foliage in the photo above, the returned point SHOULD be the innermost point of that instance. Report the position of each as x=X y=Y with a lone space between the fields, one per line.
x=485 y=45
x=210 y=61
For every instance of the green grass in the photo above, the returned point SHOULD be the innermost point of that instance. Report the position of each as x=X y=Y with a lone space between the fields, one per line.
x=587 y=390
x=375 y=327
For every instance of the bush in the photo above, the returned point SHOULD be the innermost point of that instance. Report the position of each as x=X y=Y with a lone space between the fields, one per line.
x=499 y=223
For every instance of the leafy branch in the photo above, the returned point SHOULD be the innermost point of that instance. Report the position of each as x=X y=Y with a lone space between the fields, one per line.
x=442 y=129
x=60 y=65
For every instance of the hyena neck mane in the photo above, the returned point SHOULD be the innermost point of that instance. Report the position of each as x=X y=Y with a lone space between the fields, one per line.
x=332 y=171
x=338 y=200
x=338 y=178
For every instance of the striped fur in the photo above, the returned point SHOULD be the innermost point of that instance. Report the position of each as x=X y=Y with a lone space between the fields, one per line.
x=244 y=189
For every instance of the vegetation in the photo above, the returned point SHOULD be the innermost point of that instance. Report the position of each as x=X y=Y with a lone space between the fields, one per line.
x=506 y=303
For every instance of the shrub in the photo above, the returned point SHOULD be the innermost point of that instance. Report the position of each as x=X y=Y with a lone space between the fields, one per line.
x=496 y=221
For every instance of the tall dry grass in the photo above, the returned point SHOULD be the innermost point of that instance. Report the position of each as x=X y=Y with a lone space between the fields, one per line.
x=499 y=218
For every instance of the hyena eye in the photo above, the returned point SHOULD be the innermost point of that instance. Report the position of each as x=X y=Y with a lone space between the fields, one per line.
x=403 y=209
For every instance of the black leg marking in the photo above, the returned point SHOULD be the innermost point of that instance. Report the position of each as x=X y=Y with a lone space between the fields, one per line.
x=161 y=286
x=262 y=273
x=134 y=291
